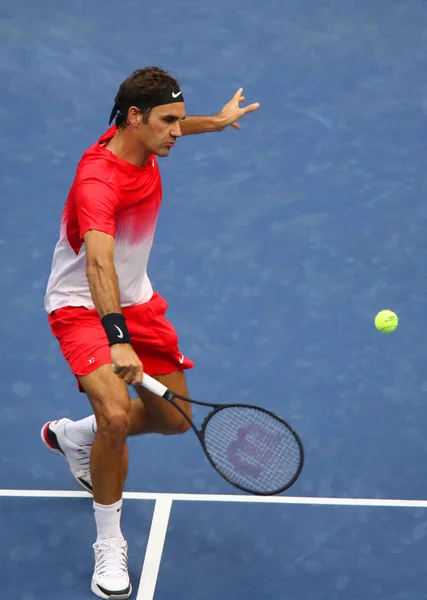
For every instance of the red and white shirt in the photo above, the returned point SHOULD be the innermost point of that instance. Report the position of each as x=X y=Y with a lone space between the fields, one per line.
x=113 y=196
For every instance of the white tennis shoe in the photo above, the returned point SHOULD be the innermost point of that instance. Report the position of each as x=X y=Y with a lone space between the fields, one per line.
x=77 y=457
x=111 y=578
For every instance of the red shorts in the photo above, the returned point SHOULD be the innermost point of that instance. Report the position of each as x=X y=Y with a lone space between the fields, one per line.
x=85 y=347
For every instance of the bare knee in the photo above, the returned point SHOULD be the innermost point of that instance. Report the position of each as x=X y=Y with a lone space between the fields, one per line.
x=113 y=421
x=110 y=402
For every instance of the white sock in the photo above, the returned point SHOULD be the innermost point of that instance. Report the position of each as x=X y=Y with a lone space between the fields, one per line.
x=108 y=520
x=81 y=433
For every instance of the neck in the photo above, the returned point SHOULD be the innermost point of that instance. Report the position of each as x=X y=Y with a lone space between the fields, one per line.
x=124 y=146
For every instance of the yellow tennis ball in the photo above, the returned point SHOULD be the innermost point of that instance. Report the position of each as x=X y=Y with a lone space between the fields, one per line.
x=386 y=321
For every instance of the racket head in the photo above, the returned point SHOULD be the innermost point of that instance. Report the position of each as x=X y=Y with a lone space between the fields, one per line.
x=252 y=448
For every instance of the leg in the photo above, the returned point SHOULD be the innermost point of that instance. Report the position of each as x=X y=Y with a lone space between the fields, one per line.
x=85 y=346
x=148 y=413
x=108 y=462
x=110 y=402
x=151 y=414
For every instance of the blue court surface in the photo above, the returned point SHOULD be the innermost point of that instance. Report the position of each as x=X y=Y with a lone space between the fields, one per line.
x=277 y=245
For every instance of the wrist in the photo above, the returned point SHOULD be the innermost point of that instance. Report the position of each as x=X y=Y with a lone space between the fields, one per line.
x=218 y=122
x=116 y=329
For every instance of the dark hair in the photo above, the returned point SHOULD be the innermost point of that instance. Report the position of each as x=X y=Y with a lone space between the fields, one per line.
x=138 y=87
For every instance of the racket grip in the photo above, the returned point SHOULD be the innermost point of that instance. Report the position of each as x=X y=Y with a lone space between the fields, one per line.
x=154 y=386
x=151 y=384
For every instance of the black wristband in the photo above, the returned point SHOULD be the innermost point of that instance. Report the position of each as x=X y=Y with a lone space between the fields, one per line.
x=116 y=328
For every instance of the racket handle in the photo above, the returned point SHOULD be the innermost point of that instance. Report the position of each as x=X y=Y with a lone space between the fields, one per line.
x=154 y=386
x=151 y=384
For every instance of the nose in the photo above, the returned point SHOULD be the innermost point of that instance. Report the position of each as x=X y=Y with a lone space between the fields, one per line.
x=176 y=130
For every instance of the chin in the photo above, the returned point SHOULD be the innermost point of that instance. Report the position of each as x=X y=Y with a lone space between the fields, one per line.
x=163 y=152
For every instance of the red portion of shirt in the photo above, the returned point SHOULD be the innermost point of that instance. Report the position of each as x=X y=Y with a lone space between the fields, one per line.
x=113 y=196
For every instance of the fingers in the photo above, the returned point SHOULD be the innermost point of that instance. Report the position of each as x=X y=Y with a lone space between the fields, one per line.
x=241 y=98
x=238 y=94
x=131 y=374
x=248 y=109
x=233 y=112
x=126 y=363
x=244 y=109
x=251 y=107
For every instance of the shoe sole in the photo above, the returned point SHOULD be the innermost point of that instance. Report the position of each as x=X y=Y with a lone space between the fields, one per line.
x=95 y=589
x=45 y=440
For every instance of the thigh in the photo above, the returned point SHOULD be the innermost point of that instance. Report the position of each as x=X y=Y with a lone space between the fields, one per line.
x=107 y=393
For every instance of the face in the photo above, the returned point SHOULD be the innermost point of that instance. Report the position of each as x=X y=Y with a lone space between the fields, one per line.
x=159 y=135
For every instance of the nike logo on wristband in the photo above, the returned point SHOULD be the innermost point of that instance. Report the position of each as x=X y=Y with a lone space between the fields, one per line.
x=120 y=334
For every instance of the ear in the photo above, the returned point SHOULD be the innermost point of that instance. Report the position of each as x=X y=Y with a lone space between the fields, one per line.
x=134 y=116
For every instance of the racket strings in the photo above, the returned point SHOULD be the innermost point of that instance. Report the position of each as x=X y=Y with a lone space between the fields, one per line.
x=252 y=448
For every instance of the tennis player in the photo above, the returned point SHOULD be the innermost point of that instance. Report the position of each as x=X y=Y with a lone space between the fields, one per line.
x=103 y=309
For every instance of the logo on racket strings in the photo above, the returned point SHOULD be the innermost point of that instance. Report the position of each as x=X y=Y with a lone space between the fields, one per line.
x=252 y=450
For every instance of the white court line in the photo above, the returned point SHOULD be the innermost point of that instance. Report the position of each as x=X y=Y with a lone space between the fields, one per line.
x=384 y=502
x=154 y=551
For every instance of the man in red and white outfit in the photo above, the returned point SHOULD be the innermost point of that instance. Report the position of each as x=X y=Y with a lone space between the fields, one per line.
x=109 y=322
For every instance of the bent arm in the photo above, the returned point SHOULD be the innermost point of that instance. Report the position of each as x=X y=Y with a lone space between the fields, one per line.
x=101 y=273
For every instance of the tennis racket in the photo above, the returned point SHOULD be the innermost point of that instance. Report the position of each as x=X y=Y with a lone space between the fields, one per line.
x=250 y=447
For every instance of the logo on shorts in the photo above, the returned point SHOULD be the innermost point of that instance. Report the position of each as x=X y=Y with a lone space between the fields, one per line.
x=91 y=360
